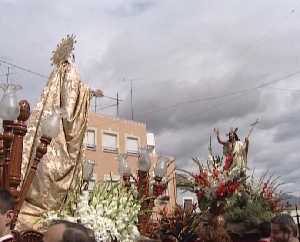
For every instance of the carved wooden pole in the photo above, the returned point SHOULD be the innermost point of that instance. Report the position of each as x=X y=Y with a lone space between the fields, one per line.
x=7 y=141
x=19 y=131
x=143 y=191
x=143 y=184
x=158 y=187
x=1 y=160
x=144 y=217
x=41 y=150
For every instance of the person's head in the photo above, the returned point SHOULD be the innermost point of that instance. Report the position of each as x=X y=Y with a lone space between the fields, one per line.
x=65 y=231
x=232 y=135
x=283 y=228
x=7 y=204
x=265 y=229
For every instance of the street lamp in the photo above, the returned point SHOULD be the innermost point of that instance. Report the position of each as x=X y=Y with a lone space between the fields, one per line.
x=144 y=162
x=92 y=183
x=14 y=115
x=87 y=172
x=161 y=167
x=9 y=113
x=143 y=185
x=124 y=169
x=9 y=103
x=160 y=172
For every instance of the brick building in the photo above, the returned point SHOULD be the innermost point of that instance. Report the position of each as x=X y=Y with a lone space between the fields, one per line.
x=107 y=136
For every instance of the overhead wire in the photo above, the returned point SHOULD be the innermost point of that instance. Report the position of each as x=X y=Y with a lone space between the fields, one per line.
x=250 y=46
x=207 y=110
x=106 y=107
x=38 y=74
x=285 y=89
x=113 y=98
x=176 y=104
x=253 y=44
x=241 y=91
x=23 y=68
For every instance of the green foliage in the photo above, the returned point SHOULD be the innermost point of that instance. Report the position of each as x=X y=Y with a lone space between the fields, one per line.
x=259 y=201
x=251 y=214
x=182 y=225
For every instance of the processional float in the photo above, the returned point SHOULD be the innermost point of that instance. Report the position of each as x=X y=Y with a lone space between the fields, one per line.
x=54 y=131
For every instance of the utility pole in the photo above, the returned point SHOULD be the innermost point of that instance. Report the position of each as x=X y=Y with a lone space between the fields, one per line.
x=117 y=104
x=95 y=104
x=298 y=221
x=96 y=93
x=131 y=95
x=131 y=99
x=7 y=75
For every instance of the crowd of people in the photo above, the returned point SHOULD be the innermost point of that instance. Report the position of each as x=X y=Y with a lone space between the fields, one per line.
x=281 y=229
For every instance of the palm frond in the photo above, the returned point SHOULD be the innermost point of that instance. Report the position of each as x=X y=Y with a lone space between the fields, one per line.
x=185 y=171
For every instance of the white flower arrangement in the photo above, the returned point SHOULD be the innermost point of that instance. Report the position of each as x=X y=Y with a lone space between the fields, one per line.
x=109 y=210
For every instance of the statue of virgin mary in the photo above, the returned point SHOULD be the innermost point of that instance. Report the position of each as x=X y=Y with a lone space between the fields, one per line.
x=61 y=167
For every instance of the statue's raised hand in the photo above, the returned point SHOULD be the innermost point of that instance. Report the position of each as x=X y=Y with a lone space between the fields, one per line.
x=216 y=131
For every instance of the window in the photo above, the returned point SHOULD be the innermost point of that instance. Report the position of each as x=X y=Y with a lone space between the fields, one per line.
x=110 y=142
x=132 y=145
x=90 y=139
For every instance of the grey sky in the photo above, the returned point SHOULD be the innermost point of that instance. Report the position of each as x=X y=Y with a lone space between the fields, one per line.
x=196 y=65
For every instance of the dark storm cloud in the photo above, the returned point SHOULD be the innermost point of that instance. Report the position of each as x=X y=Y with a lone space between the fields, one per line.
x=194 y=67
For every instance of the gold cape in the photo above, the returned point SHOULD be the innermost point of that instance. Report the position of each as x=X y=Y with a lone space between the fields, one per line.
x=60 y=168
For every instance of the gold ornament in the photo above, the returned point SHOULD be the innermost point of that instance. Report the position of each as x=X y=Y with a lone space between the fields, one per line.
x=63 y=50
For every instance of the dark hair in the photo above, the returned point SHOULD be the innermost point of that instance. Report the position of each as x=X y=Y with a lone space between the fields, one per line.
x=286 y=223
x=265 y=229
x=7 y=201
x=234 y=134
x=75 y=232
x=236 y=137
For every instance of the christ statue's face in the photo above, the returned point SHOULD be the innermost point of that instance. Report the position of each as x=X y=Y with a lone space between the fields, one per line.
x=231 y=136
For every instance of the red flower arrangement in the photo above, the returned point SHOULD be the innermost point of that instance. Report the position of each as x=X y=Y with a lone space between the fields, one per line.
x=271 y=197
x=213 y=184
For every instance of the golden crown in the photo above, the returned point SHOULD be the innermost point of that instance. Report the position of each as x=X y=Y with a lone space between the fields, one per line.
x=63 y=50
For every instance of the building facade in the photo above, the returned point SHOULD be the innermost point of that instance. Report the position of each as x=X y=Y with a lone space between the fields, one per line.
x=107 y=137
